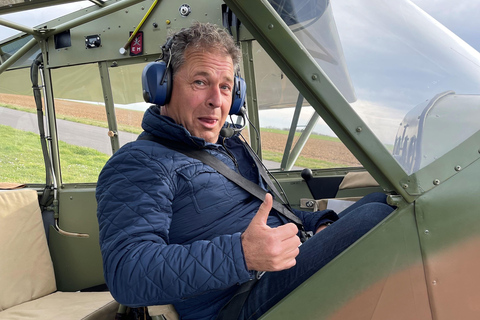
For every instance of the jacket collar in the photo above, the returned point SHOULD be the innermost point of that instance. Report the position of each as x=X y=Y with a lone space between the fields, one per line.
x=165 y=127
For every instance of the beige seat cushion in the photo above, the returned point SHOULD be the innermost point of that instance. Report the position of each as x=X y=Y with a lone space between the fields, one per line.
x=26 y=269
x=357 y=180
x=11 y=185
x=168 y=311
x=336 y=204
x=65 y=306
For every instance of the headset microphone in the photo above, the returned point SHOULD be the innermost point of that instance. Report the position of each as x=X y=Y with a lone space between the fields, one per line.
x=230 y=130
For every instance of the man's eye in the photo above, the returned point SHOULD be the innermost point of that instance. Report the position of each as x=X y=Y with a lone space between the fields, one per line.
x=199 y=82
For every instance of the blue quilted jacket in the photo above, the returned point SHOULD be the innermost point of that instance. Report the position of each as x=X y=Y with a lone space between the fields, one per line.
x=170 y=225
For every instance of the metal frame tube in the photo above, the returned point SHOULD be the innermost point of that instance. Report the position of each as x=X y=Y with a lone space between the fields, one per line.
x=17 y=26
x=297 y=63
x=109 y=105
x=291 y=133
x=17 y=55
x=297 y=149
x=252 y=101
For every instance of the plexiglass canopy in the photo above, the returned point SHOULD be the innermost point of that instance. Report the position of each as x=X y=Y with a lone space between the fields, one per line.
x=413 y=81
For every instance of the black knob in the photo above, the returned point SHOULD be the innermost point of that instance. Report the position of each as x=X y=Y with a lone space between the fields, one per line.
x=307 y=174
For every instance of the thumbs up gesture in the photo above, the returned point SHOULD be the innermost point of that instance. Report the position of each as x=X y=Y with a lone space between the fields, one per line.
x=269 y=249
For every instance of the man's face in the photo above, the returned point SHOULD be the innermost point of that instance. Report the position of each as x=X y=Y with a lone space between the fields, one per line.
x=202 y=93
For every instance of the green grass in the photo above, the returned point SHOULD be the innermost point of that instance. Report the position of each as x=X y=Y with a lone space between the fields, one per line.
x=21 y=159
x=302 y=162
x=80 y=164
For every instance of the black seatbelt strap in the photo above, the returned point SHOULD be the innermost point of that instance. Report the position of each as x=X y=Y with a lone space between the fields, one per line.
x=231 y=310
x=251 y=187
x=264 y=174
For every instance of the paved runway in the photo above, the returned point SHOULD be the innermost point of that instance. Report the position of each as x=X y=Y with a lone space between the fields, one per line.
x=69 y=132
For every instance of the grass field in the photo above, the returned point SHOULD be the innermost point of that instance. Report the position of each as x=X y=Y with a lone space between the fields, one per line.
x=21 y=159
x=21 y=156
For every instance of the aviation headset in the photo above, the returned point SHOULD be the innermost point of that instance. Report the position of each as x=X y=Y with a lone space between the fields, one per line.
x=157 y=83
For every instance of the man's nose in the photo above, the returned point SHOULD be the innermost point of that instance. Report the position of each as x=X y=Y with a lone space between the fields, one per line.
x=215 y=97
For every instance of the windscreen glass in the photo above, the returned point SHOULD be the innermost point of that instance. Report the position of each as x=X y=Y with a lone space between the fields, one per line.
x=413 y=81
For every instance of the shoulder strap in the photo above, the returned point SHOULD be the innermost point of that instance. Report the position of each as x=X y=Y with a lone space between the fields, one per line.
x=249 y=186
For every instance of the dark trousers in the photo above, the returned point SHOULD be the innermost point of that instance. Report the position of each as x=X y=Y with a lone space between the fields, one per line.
x=354 y=222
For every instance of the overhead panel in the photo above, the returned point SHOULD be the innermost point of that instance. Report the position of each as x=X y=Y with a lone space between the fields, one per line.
x=103 y=39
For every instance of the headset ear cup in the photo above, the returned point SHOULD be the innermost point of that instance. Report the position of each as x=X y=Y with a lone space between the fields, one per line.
x=238 y=97
x=157 y=83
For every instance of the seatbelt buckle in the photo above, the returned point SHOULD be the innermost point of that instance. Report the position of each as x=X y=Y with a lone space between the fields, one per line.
x=305 y=235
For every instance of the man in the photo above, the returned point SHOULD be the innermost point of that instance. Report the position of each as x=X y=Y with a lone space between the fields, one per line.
x=174 y=230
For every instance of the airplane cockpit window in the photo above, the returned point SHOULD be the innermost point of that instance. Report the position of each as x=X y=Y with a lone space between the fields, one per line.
x=129 y=102
x=9 y=48
x=21 y=159
x=81 y=123
x=282 y=108
x=394 y=63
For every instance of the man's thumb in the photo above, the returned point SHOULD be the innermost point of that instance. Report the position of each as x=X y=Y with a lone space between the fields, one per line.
x=264 y=210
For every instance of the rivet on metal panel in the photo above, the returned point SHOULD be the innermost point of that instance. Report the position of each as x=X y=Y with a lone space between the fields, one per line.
x=436 y=182
x=358 y=129
x=427 y=232
x=270 y=26
x=458 y=168
x=405 y=186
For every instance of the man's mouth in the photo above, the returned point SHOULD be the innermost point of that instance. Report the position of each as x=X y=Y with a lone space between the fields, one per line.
x=208 y=122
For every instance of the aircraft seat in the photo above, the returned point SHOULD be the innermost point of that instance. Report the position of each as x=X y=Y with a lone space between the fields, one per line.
x=361 y=181
x=27 y=276
x=163 y=312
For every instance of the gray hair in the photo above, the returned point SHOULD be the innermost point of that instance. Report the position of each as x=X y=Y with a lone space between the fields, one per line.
x=202 y=37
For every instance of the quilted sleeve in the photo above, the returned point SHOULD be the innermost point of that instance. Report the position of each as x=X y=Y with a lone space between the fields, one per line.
x=141 y=267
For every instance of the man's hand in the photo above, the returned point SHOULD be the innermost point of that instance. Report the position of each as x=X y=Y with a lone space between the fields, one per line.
x=269 y=249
